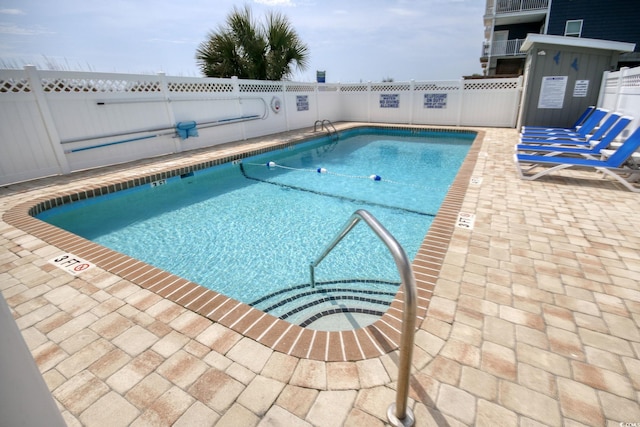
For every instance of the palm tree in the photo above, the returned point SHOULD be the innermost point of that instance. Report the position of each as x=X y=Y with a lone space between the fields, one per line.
x=245 y=49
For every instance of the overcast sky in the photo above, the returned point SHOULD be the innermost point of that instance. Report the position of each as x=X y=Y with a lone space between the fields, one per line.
x=353 y=40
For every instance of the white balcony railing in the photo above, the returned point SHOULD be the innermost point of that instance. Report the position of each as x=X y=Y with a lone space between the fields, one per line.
x=514 y=6
x=502 y=48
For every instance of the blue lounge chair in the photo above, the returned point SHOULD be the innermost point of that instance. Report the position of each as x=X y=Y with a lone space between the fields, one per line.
x=593 y=146
x=586 y=113
x=597 y=136
x=587 y=127
x=612 y=166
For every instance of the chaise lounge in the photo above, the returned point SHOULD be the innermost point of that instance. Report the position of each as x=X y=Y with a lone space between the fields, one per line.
x=574 y=128
x=593 y=146
x=613 y=166
x=583 y=131
x=588 y=140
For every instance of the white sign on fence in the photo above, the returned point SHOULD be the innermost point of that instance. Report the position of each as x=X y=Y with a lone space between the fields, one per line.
x=302 y=102
x=389 y=100
x=435 y=100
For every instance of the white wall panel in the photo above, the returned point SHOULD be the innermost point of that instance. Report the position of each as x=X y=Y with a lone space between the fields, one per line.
x=80 y=120
x=25 y=150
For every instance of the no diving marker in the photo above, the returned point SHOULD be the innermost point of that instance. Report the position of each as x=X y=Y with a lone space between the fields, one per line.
x=71 y=263
x=466 y=220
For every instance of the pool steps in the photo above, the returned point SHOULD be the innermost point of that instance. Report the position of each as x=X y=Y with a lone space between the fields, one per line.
x=303 y=305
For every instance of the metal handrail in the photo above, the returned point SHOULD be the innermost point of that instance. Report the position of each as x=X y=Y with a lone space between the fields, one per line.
x=322 y=126
x=398 y=413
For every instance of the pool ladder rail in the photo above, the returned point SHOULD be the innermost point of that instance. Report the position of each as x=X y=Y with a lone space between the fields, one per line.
x=327 y=126
x=398 y=413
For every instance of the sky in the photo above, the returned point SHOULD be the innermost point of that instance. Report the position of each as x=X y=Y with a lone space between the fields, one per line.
x=352 y=40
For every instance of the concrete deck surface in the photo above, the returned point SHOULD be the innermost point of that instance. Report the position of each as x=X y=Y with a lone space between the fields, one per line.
x=535 y=320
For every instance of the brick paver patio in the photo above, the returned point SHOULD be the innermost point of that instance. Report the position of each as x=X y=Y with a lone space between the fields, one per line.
x=535 y=320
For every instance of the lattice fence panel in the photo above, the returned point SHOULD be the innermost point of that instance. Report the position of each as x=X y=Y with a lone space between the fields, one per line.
x=199 y=87
x=14 y=85
x=436 y=86
x=631 y=81
x=323 y=88
x=355 y=88
x=99 y=85
x=389 y=87
x=611 y=83
x=300 y=88
x=260 y=87
x=494 y=85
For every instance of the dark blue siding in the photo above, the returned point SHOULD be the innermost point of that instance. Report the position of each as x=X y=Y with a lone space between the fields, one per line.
x=617 y=20
x=520 y=31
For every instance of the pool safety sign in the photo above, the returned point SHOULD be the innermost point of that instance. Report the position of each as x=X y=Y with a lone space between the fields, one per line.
x=435 y=100
x=466 y=220
x=581 y=88
x=302 y=102
x=389 y=100
x=552 y=92
x=71 y=264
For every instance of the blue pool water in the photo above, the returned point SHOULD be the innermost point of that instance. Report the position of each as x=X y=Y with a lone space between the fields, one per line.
x=248 y=230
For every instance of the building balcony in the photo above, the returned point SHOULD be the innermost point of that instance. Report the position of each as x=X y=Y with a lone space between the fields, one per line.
x=501 y=48
x=507 y=12
x=516 y=6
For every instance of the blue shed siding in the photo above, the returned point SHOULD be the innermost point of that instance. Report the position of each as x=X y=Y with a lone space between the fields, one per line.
x=616 y=20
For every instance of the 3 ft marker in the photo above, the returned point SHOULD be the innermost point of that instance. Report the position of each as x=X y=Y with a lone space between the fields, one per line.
x=466 y=220
x=71 y=264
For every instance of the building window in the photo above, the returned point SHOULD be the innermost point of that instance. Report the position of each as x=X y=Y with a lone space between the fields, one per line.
x=573 y=28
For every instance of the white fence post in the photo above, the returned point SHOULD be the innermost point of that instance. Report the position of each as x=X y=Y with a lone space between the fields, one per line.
x=517 y=99
x=284 y=106
x=236 y=94
x=623 y=73
x=606 y=76
x=43 y=107
x=461 y=99
x=412 y=89
x=167 y=102
x=316 y=93
x=369 y=98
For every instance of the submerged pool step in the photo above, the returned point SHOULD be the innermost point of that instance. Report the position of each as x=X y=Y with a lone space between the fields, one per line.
x=331 y=307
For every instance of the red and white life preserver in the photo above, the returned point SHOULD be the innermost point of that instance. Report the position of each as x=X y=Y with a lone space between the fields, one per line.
x=276 y=104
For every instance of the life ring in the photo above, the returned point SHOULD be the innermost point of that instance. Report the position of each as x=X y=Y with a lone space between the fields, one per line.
x=276 y=104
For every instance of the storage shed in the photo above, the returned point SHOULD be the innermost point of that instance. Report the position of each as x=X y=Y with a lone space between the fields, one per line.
x=562 y=77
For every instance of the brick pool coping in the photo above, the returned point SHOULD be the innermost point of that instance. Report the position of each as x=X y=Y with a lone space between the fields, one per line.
x=375 y=340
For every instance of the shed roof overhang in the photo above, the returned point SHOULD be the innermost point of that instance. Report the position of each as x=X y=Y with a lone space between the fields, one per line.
x=544 y=39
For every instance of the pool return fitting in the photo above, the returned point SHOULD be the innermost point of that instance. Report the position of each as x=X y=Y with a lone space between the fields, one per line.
x=398 y=413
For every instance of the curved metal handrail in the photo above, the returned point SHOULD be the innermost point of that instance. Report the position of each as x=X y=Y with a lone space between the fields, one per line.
x=398 y=413
x=328 y=126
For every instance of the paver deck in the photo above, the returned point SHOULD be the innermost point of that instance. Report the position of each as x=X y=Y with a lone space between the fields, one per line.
x=534 y=320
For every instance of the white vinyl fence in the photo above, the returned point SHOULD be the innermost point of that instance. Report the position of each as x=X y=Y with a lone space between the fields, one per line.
x=620 y=92
x=57 y=122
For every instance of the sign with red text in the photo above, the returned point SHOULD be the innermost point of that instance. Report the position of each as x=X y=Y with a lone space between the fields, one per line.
x=71 y=264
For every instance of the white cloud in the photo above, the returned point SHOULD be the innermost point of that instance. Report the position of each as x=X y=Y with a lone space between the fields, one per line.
x=11 y=12
x=403 y=12
x=6 y=28
x=173 y=41
x=276 y=2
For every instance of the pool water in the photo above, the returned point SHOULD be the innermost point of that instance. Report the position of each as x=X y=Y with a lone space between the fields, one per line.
x=249 y=230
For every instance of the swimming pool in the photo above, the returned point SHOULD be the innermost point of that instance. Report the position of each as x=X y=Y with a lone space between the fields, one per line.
x=249 y=229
